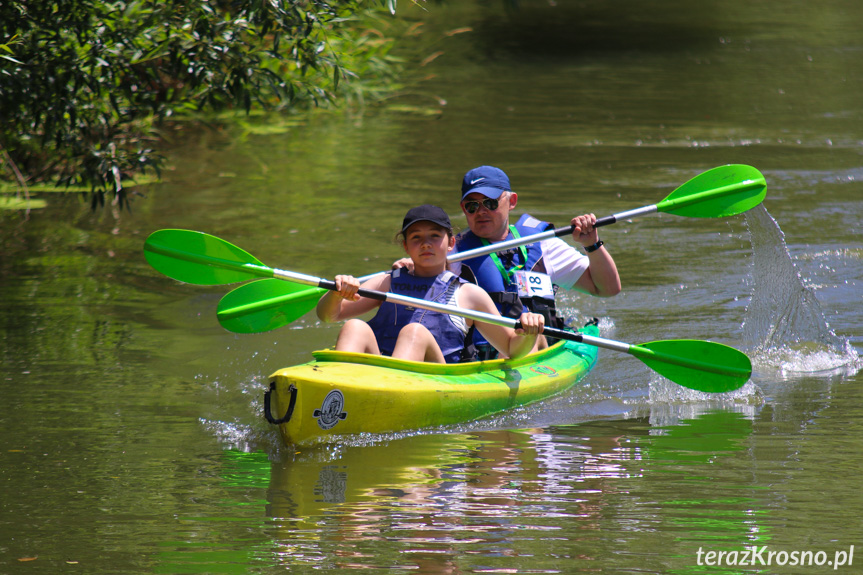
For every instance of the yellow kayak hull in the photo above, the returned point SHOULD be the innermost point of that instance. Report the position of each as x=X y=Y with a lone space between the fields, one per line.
x=342 y=393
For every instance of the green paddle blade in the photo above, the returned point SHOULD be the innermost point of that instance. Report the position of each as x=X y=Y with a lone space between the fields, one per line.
x=699 y=365
x=717 y=193
x=201 y=259
x=265 y=305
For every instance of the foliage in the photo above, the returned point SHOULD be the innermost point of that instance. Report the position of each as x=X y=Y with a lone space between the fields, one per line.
x=85 y=84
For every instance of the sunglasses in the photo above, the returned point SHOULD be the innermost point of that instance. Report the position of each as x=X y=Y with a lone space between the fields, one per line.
x=472 y=206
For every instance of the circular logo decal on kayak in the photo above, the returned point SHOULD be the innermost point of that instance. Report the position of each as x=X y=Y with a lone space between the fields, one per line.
x=544 y=370
x=331 y=412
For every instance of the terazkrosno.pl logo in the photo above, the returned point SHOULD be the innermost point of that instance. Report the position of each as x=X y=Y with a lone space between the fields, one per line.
x=752 y=556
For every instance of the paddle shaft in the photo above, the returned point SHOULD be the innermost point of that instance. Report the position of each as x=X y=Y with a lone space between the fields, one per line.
x=555 y=233
x=665 y=205
x=640 y=352
x=420 y=303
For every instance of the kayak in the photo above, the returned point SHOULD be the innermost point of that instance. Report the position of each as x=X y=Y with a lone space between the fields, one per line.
x=341 y=393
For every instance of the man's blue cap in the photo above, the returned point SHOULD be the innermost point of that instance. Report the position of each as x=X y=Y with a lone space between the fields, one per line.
x=486 y=180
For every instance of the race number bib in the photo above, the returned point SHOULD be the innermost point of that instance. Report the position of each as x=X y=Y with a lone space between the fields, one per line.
x=533 y=284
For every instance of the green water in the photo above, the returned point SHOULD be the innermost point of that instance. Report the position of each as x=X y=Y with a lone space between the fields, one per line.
x=132 y=436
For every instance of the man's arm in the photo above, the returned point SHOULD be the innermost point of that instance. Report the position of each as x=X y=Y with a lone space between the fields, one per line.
x=595 y=273
x=601 y=277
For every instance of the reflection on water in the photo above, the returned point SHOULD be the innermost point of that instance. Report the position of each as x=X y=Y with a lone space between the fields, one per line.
x=560 y=498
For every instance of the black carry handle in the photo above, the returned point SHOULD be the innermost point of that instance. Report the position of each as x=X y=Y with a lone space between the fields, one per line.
x=291 y=405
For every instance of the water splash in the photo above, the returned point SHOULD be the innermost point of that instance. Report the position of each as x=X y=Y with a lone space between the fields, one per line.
x=784 y=323
x=664 y=392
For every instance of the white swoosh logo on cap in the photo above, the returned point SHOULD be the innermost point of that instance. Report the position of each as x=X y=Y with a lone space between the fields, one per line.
x=472 y=182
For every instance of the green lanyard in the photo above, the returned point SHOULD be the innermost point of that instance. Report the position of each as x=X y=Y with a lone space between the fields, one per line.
x=507 y=274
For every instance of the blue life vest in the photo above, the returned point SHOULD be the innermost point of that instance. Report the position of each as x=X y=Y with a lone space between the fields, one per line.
x=503 y=290
x=501 y=286
x=391 y=318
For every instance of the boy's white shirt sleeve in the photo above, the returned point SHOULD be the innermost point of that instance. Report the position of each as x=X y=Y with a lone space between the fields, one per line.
x=564 y=264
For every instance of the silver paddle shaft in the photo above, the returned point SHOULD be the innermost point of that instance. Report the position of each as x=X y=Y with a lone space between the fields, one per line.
x=533 y=238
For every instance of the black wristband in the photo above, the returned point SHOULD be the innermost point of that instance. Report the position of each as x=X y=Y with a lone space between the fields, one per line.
x=594 y=247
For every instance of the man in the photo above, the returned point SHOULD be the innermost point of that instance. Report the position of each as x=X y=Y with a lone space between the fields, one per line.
x=527 y=276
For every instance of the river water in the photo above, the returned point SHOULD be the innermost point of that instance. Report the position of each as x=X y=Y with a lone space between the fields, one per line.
x=132 y=435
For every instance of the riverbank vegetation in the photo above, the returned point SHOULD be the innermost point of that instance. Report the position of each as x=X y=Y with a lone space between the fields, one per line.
x=86 y=86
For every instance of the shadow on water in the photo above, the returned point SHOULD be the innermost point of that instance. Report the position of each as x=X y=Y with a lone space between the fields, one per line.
x=563 y=29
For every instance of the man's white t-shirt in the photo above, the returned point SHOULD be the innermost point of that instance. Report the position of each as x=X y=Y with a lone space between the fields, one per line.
x=563 y=263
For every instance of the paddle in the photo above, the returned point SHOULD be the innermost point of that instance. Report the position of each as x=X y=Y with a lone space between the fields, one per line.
x=721 y=192
x=198 y=258
x=700 y=365
x=201 y=259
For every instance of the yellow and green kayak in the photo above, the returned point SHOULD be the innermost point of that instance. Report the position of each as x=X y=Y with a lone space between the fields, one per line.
x=340 y=393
